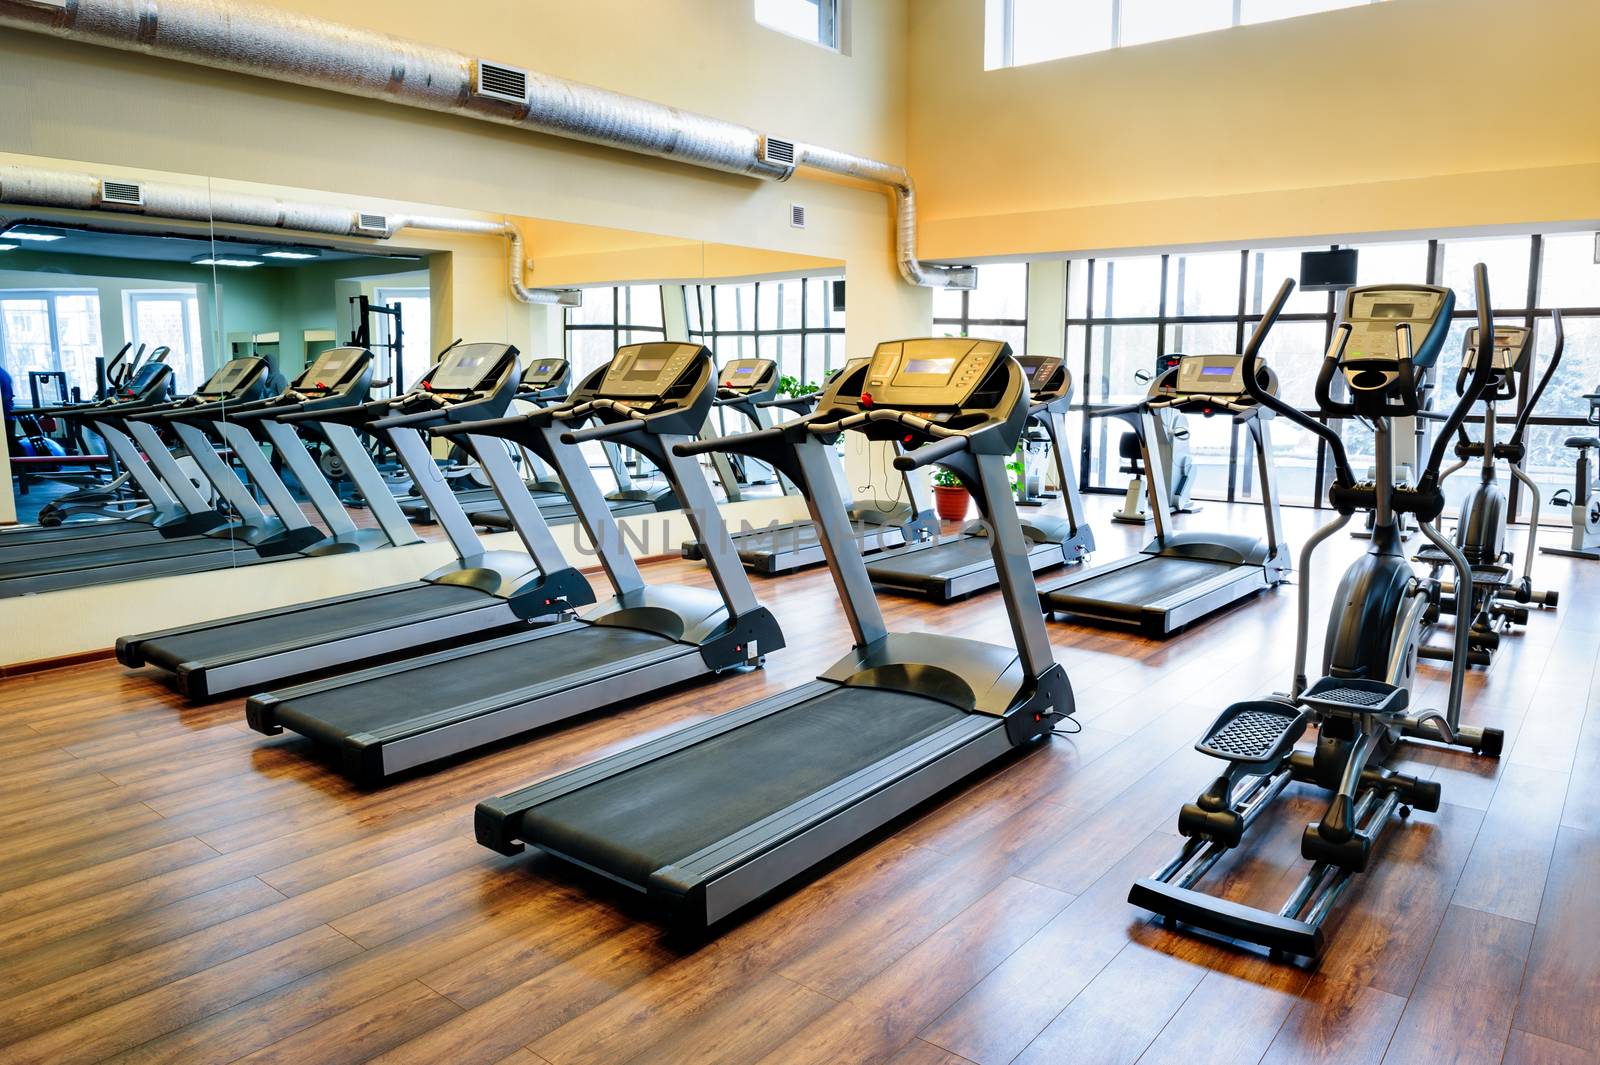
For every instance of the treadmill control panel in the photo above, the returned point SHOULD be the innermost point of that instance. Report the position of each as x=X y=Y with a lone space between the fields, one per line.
x=1047 y=376
x=932 y=372
x=1205 y=375
x=149 y=381
x=648 y=371
x=746 y=375
x=470 y=368
x=543 y=374
x=235 y=380
x=335 y=370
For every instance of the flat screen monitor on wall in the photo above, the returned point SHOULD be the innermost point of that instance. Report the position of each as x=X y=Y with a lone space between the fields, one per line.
x=1324 y=270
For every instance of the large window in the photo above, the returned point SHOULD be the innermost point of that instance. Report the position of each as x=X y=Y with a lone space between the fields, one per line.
x=816 y=21
x=799 y=322
x=1125 y=314
x=1020 y=32
x=608 y=319
x=997 y=309
x=52 y=329
x=416 y=331
x=169 y=317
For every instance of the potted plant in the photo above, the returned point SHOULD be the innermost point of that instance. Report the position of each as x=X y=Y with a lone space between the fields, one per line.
x=789 y=385
x=950 y=497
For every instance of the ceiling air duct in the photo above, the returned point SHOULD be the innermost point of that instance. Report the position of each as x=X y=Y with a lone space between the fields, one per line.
x=305 y=50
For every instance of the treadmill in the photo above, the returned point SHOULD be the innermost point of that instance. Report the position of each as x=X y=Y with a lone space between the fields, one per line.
x=244 y=535
x=747 y=387
x=645 y=638
x=943 y=570
x=159 y=516
x=481 y=590
x=554 y=505
x=337 y=380
x=712 y=817
x=1182 y=576
x=542 y=381
x=874 y=524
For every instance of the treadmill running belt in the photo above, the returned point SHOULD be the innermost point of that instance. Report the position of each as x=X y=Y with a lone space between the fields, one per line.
x=305 y=626
x=337 y=712
x=636 y=822
x=82 y=555
x=938 y=559
x=1143 y=584
x=802 y=536
x=557 y=510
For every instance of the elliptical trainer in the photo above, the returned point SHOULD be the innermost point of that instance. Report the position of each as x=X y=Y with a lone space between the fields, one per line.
x=1495 y=600
x=1361 y=705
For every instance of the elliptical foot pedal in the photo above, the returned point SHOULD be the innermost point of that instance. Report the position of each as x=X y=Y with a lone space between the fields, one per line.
x=1256 y=732
x=1342 y=695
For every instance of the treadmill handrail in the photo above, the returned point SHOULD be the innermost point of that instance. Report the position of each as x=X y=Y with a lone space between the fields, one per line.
x=928 y=454
x=775 y=434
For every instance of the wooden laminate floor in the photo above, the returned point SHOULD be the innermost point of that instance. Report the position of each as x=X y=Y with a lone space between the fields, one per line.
x=176 y=888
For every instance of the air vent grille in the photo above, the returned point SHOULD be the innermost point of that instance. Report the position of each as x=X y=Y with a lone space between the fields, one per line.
x=501 y=83
x=777 y=151
x=122 y=193
x=372 y=223
x=797 y=215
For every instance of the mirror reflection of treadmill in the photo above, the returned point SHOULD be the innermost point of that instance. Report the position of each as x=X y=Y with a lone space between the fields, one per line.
x=241 y=539
x=1180 y=577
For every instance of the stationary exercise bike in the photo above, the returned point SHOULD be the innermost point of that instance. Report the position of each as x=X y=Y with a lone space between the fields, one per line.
x=1584 y=498
x=1496 y=599
x=1360 y=707
x=1172 y=442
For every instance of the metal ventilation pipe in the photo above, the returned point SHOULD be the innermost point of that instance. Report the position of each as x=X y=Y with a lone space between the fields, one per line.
x=305 y=50
x=35 y=187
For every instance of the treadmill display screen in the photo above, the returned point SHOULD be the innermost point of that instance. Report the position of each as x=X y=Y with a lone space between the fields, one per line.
x=1393 y=310
x=931 y=366
x=1216 y=371
x=228 y=378
x=643 y=369
x=464 y=369
x=744 y=371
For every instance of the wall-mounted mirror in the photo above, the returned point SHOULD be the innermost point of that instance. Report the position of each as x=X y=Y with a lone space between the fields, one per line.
x=199 y=381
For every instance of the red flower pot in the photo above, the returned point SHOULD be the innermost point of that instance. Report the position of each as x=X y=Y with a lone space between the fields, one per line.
x=951 y=501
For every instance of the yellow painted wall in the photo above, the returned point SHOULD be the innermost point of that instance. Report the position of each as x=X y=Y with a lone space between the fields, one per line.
x=1284 y=129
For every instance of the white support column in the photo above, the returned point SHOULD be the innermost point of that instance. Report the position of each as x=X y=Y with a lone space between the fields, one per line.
x=1047 y=329
x=675 y=312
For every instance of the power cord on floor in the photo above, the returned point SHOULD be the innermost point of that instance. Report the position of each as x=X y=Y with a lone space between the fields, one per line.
x=1077 y=727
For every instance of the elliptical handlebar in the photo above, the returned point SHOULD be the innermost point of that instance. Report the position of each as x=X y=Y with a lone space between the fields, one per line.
x=1252 y=384
x=1544 y=380
x=1481 y=373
